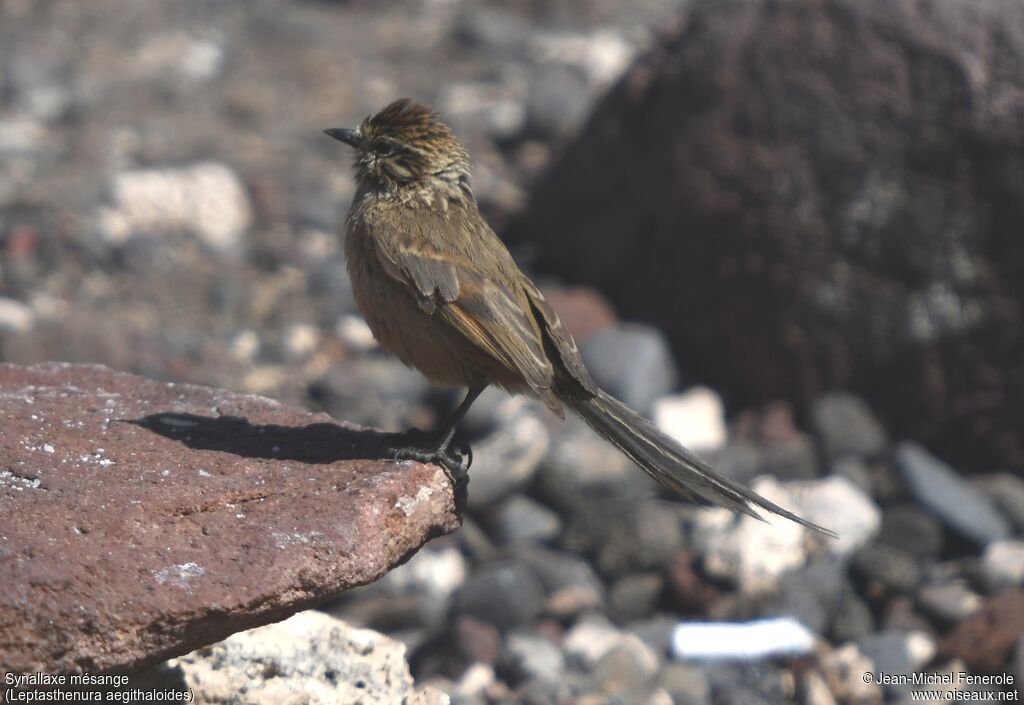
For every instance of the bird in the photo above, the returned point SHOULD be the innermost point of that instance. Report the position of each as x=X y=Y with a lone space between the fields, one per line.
x=439 y=290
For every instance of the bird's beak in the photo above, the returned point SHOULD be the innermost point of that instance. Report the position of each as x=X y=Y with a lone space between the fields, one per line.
x=350 y=137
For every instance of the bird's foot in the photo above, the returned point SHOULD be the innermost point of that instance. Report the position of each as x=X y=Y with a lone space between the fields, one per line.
x=426 y=447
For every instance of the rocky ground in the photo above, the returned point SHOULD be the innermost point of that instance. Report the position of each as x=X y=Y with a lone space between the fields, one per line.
x=168 y=206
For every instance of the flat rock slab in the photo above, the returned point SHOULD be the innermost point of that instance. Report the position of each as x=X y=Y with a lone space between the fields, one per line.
x=140 y=520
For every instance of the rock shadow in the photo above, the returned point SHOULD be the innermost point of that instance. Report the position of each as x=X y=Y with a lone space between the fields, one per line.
x=313 y=443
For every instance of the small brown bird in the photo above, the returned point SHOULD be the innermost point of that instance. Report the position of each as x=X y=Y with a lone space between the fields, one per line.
x=440 y=290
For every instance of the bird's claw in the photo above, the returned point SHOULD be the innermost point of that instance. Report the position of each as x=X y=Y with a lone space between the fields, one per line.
x=455 y=465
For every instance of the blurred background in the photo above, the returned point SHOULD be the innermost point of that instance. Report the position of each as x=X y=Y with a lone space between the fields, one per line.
x=790 y=231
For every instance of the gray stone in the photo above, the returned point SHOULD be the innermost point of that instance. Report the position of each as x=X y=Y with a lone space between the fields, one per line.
x=507 y=459
x=569 y=582
x=686 y=683
x=958 y=505
x=557 y=102
x=581 y=467
x=886 y=570
x=792 y=459
x=853 y=619
x=948 y=602
x=635 y=596
x=629 y=666
x=520 y=519
x=589 y=640
x=911 y=529
x=503 y=593
x=534 y=656
x=623 y=537
x=1002 y=564
x=811 y=595
x=633 y=363
x=1007 y=492
x=898 y=652
x=854 y=469
x=845 y=426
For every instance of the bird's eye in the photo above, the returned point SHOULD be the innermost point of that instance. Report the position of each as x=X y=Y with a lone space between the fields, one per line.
x=385 y=149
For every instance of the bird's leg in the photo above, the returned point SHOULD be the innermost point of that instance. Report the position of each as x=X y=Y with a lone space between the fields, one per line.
x=434 y=446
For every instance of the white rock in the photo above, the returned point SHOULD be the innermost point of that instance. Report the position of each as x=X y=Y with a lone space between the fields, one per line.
x=536 y=656
x=589 y=640
x=751 y=553
x=695 y=418
x=207 y=200
x=310 y=658
x=196 y=59
x=845 y=669
x=1003 y=563
x=838 y=504
x=19 y=135
x=475 y=680
x=301 y=339
x=437 y=572
x=354 y=332
x=15 y=317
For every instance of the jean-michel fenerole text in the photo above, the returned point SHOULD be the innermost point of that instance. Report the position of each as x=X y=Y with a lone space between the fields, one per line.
x=959 y=678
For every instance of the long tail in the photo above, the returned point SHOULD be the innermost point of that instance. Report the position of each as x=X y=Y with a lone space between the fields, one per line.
x=667 y=461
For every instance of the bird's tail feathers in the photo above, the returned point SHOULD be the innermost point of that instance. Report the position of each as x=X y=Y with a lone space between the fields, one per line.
x=669 y=462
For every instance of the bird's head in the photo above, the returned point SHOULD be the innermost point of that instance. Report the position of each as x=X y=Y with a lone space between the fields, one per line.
x=405 y=143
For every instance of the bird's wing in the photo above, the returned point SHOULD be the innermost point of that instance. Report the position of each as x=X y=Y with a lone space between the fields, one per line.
x=560 y=338
x=486 y=311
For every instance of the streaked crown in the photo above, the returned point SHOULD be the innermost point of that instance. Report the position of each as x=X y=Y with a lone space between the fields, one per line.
x=405 y=142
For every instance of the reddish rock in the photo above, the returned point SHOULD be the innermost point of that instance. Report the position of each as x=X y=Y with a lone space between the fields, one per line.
x=583 y=311
x=986 y=639
x=140 y=520
x=817 y=194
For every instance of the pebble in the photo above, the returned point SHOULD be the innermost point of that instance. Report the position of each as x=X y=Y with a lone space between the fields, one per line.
x=1002 y=564
x=1006 y=491
x=629 y=666
x=15 y=317
x=520 y=519
x=557 y=102
x=811 y=595
x=503 y=593
x=695 y=418
x=749 y=553
x=581 y=466
x=948 y=602
x=957 y=504
x=839 y=505
x=569 y=582
x=793 y=459
x=911 y=529
x=686 y=683
x=507 y=459
x=207 y=200
x=845 y=425
x=896 y=652
x=534 y=656
x=624 y=537
x=844 y=669
x=633 y=363
x=589 y=640
x=635 y=596
x=884 y=570
x=853 y=619
x=854 y=469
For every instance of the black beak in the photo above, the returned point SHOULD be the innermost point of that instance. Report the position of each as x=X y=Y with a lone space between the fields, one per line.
x=349 y=137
